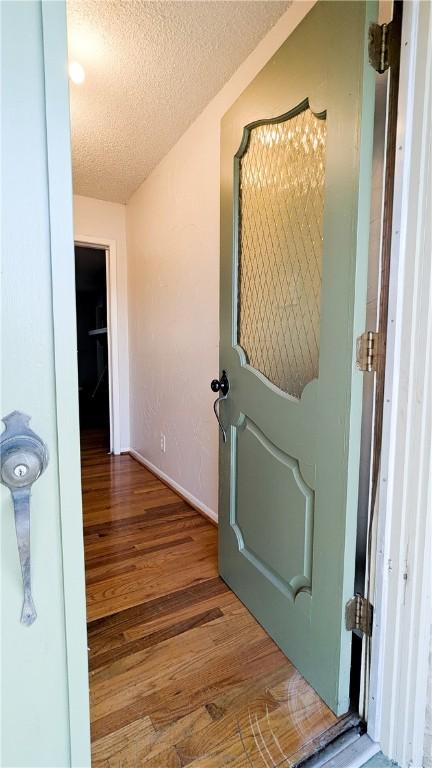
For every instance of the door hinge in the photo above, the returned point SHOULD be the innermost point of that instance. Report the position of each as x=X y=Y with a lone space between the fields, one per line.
x=381 y=46
x=359 y=615
x=369 y=349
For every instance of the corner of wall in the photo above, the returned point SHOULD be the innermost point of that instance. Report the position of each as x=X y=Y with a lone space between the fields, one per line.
x=172 y=224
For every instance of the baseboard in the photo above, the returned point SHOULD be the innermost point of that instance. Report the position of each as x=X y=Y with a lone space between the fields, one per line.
x=203 y=509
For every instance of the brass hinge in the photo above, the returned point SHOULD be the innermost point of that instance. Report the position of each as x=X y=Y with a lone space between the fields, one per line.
x=369 y=348
x=381 y=46
x=359 y=615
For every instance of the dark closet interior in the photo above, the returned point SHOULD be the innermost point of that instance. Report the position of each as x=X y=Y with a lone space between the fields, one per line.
x=92 y=338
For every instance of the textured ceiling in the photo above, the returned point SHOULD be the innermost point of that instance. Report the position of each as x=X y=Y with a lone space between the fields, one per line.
x=151 y=68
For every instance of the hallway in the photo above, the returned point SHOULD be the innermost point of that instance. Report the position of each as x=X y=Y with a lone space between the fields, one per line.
x=181 y=674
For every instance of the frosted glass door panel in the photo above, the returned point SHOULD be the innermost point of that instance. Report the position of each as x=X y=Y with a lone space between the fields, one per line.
x=281 y=175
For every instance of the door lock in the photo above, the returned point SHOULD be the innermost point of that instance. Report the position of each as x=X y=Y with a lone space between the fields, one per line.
x=222 y=386
x=23 y=458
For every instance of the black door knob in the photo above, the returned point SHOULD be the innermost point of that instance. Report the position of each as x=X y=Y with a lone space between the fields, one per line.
x=220 y=385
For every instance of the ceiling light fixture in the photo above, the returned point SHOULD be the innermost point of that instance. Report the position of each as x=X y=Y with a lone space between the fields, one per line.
x=76 y=72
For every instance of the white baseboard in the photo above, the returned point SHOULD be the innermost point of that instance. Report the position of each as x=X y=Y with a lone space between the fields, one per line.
x=189 y=497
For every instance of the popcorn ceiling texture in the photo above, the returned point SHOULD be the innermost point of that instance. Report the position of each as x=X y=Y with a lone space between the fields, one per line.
x=151 y=68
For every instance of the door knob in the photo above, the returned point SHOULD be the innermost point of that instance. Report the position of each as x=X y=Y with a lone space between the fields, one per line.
x=23 y=458
x=222 y=386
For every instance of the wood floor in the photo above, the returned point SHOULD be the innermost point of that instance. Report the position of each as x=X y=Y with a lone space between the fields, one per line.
x=181 y=674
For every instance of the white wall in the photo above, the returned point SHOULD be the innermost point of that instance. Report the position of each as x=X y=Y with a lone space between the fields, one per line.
x=98 y=219
x=173 y=272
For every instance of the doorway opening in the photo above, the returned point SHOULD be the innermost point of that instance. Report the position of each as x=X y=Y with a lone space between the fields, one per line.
x=180 y=671
x=92 y=342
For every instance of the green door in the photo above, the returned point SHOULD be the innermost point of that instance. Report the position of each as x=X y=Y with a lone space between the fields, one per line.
x=44 y=684
x=295 y=193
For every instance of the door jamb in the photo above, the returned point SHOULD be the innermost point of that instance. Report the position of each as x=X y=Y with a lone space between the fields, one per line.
x=109 y=246
x=403 y=583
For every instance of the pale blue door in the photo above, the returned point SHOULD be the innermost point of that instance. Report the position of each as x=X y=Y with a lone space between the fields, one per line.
x=44 y=687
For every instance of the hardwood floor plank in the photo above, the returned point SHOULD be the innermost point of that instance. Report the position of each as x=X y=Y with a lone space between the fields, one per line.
x=125 y=593
x=174 y=659
x=148 y=568
x=223 y=602
x=232 y=709
x=100 y=643
x=274 y=739
x=197 y=680
x=134 y=646
x=145 y=518
x=151 y=743
x=165 y=530
x=120 y=569
x=116 y=557
x=168 y=758
x=134 y=742
x=159 y=606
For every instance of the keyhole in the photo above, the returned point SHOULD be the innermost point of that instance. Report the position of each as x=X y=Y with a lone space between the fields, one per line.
x=20 y=470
